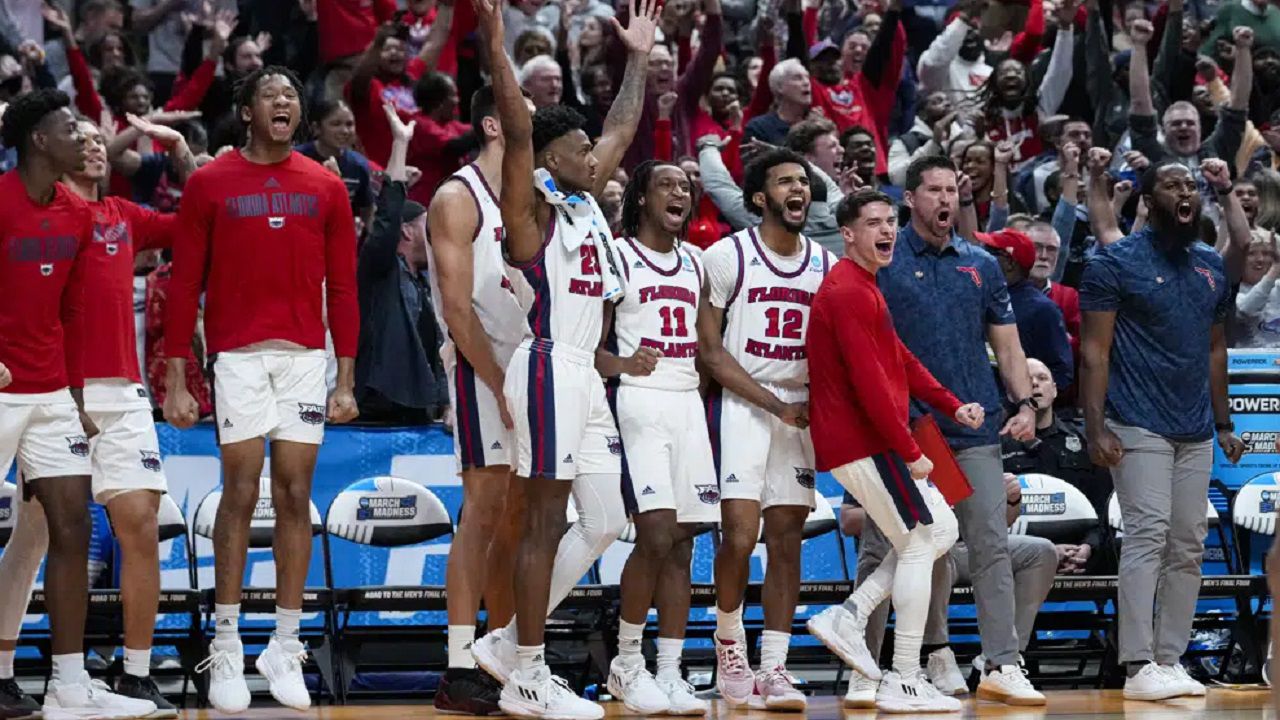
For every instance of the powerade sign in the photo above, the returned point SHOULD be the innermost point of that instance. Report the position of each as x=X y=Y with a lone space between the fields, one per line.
x=1254 y=400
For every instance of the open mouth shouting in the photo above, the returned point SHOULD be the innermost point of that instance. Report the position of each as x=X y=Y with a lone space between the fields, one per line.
x=795 y=210
x=884 y=250
x=1185 y=212
x=281 y=121
x=676 y=211
x=944 y=218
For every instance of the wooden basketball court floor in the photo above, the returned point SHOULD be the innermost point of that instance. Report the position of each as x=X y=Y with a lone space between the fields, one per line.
x=1221 y=704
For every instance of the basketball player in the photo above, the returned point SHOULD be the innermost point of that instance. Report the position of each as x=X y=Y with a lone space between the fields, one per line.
x=862 y=379
x=668 y=472
x=751 y=334
x=267 y=234
x=127 y=474
x=558 y=240
x=46 y=233
x=477 y=304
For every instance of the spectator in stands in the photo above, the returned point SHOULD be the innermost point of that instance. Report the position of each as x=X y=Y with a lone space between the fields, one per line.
x=1061 y=450
x=861 y=161
x=399 y=373
x=793 y=95
x=347 y=27
x=542 y=78
x=334 y=128
x=1048 y=246
x=1258 y=302
x=1041 y=330
x=530 y=44
x=954 y=63
x=1260 y=17
x=440 y=141
x=384 y=73
x=161 y=21
x=927 y=136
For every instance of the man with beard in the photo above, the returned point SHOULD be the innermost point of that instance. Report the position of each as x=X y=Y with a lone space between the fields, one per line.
x=1181 y=120
x=649 y=352
x=928 y=136
x=751 y=331
x=948 y=299
x=1154 y=390
x=267 y=235
x=953 y=63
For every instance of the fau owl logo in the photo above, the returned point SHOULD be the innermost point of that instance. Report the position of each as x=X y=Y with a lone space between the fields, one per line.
x=615 y=444
x=150 y=460
x=709 y=494
x=311 y=414
x=972 y=272
x=1208 y=277
x=78 y=445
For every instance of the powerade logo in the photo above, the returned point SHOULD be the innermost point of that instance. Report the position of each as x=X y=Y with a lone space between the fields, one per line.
x=1255 y=404
x=388 y=508
x=1266 y=504
x=1044 y=503
x=1259 y=442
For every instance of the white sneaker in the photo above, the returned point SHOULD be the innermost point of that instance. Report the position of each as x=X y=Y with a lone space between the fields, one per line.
x=733 y=672
x=898 y=694
x=86 y=698
x=228 y=692
x=1152 y=683
x=540 y=694
x=843 y=635
x=630 y=682
x=775 y=690
x=1009 y=684
x=495 y=654
x=1189 y=685
x=281 y=665
x=680 y=697
x=945 y=673
x=862 y=692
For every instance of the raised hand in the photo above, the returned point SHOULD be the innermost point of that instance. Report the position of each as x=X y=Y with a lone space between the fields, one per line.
x=1099 y=160
x=400 y=130
x=1243 y=37
x=942 y=128
x=308 y=8
x=489 y=16
x=1065 y=13
x=1004 y=153
x=1001 y=44
x=172 y=117
x=161 y=134
x=1206 y=68
x=639 y=35
x=1123 y=190
x=666 y=104
x=1136 y=160
x=1069 y=159
x=56 y=17
x=263 y=41
x=1141 y=32
x=1216 y=173
x=964 y=184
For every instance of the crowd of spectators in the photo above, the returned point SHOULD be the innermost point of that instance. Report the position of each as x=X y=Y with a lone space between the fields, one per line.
x=1052 y=109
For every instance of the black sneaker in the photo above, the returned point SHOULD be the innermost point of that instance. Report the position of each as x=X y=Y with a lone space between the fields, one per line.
x=14 y=703
x=468 y=691
x=144 y=688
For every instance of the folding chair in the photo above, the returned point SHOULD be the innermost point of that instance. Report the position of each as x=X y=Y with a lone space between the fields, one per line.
x=384 y=512
x=1254 y=513
x=315 y=600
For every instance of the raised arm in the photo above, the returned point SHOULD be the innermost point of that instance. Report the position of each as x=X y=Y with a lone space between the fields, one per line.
x=1102 y=218
x=620 y=124
x=1139 y=75
x=1218 y=175
x=1057 y=76
x=522 y=238
x=1242 y=71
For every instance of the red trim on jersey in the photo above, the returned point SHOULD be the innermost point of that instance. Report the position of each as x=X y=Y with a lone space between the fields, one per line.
x=808 y=251
x=652 y=265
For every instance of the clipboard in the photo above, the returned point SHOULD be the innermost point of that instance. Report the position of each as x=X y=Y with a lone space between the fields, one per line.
x=947 y=475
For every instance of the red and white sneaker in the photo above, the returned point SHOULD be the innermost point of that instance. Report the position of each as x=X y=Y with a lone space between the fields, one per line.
x=733 y=673
x=775 y=690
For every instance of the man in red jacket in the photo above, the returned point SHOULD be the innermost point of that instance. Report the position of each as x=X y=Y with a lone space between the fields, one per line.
x=267 y=234
x=861 y=380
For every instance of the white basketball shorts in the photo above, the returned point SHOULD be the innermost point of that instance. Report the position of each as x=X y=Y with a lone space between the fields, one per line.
x=760 y=457
x=43 y=433
x=279 y=394
x=666 y=454
x=479 y=437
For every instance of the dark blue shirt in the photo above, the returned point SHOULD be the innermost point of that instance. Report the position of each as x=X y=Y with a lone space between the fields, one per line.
x=1042 y=331
x=770 y=128
x=1166 y=304
x=942 y=302
x=355 y=175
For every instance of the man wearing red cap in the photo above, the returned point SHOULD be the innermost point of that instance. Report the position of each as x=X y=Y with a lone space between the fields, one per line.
x=1040 y=325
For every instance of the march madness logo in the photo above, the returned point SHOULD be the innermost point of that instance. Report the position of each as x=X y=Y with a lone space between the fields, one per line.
x=1259 y=442
x=311 y=414
x=972 y=272
x=387 y=508
x=1208 y=276
x=805 y=476
x=150 y=460
x=78 y=445
x=709 y=494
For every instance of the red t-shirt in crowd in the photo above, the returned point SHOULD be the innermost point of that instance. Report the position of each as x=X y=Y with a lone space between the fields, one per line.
x=120 y=230
x=861 y=376
x=371 y=120
x=346 y=27
x=427 y=152
x=267 y=244
x=42 y=274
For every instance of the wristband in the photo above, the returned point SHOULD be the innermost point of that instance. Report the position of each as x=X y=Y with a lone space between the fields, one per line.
x=1225 y=426
x=1226 y=192
x=966 y=203
x=1028 y=401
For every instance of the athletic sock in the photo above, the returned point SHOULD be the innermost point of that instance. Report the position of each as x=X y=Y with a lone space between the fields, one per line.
x=288 y=623
x=226 y=624
x=773 y=649
x=67 y=668
x=630 y=637
x=1133 y=668
x=137 y=662
x=460 y=639
x=6 y=664
x=530 y=658
x=729 y=625
x=669 y=651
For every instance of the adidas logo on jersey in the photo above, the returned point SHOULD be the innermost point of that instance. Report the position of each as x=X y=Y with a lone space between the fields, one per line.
x=638 y=264
x=567 y=459
x=271 y=183
x=754 y=262
x=648 y=491
x=226 y=423
x=731 y=479
x=496 y=445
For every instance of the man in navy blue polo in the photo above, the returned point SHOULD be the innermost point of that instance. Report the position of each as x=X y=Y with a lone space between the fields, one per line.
x=1154 y=388
x=948 y=300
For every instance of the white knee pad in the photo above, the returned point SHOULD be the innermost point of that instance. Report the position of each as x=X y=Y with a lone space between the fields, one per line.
x=601 y=514
x=945 y=527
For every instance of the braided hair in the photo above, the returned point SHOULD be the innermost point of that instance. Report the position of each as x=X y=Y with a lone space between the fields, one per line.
x=637 y=187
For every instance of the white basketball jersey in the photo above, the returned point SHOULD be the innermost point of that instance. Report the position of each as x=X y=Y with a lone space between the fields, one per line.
x=659 y=310
x=566 y=298
x=767 y=314
x=492 y=295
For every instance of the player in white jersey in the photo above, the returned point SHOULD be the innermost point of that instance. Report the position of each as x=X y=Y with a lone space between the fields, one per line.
x=478 y=307
x=558 y=242
x=668 y=473
x=751 y=332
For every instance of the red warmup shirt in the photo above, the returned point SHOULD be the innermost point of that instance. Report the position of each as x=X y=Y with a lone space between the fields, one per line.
x=260 y=240
x=861 y=376
x=42 y=274
x=120 y=230
x=427 y=152
x=346 y=27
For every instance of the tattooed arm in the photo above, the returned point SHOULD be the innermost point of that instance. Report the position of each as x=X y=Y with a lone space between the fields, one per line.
x=620 y=124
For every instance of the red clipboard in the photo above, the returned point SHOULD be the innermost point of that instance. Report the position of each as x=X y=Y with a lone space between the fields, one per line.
x=947 y=475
